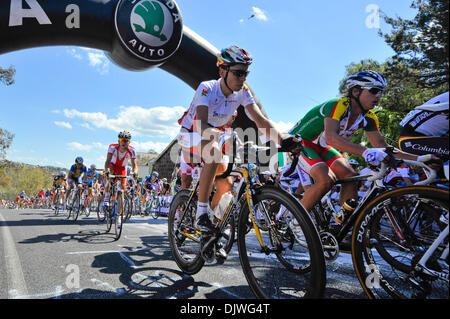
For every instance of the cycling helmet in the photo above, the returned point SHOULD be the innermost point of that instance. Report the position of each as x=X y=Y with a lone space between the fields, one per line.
x=367 y=79
x=155 y=174
x=125 y=134
x=79 y=160
x=93 y=167
x=233 y=55
x=353 y=162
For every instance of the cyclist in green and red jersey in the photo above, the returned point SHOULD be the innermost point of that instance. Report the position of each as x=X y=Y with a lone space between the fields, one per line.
x=328 y=128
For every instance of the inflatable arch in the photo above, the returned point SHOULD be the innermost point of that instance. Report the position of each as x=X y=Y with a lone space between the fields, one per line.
x=135 y=34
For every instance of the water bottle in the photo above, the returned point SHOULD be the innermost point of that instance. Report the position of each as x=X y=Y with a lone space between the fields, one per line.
x=347 y=208
x=221 y=208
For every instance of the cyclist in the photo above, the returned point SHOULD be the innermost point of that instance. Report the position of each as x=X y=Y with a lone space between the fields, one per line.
x=425 y=129
x=328 y=128
x=91 y=181
x=41 y=197
x=76 y=174
x=214 y=103
x=150 y=185
x=58 y=183
x=116 y=162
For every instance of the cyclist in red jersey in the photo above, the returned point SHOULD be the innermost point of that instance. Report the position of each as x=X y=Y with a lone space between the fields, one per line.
x=116 y=162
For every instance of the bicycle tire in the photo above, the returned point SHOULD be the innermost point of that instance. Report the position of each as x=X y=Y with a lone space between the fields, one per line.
x=76 y=209
x=101 y=214
x=387 y=270
x=56 y=200
x=265 y=273
x=185 y=251
x=118 y=218
x=154 y=209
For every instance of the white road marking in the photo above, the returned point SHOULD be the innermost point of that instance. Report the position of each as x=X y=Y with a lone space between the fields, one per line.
x=15 y=280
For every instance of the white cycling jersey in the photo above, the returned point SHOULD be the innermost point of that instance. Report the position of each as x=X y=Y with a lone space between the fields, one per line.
x=427 y=122
x=220 y=107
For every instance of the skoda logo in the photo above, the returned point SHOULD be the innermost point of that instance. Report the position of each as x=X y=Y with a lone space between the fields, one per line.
x=149 y=29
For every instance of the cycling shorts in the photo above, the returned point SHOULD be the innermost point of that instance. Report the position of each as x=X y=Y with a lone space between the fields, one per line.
x=314 y=154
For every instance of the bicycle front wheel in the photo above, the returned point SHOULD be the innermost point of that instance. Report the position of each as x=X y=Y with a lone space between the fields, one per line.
x=76 y=206
x=184 y=239
x=392 y=234
x=281 y=257
x=118 y=218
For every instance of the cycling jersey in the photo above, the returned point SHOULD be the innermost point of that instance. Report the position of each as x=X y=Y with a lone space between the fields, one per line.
x=425 y=127
x=395 y=176
x=119 y=160
x=77 y=171
x=220 y=107
x=427 y=122
x=312 y=130
x=311 y=126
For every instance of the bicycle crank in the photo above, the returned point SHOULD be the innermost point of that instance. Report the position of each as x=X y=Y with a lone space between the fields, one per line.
x=330 y=246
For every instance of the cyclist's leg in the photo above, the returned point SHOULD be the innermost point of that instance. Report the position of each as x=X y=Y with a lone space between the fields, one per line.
x=313 y=164
x=342 y=169
x=186 y=167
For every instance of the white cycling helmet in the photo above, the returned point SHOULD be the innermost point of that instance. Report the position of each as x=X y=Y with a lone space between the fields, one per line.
x=93 y=167
x=79 y=160
x=366 y=79
x=233 y=55
x=125 y=134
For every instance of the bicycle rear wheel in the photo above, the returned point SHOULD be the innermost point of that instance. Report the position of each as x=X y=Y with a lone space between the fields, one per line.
x=390 y=236
x=290 y=262
x=184 y=239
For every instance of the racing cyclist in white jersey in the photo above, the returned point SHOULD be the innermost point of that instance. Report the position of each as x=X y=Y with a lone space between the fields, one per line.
x=425 y=129
x=214 y=103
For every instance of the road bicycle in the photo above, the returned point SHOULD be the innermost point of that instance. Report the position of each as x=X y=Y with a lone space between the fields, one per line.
x=74 y=202
x=400 y=244
x=58 y=201
x=132 y=201
x=114 y=205
x=336 y=237
x=280 y=258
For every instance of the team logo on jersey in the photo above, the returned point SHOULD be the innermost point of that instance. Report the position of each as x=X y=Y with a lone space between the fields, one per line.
x=204 y=92
x=149 y=29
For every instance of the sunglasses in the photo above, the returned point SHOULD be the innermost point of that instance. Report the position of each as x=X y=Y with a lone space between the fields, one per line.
x=374 y=91
x=240 y=73
x=124 y=140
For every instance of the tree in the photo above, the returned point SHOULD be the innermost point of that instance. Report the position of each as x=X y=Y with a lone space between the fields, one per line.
x=7 y=76
x=5 y=142
x=422 y=43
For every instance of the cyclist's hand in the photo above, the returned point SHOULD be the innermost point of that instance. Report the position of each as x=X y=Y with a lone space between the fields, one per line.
x=374 y=156
x=291 y=143
x=435 y=161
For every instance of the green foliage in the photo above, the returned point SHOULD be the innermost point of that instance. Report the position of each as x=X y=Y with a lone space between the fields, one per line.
x=18 y=177
x=5 y=142
x=7 y=76
x=422 y=43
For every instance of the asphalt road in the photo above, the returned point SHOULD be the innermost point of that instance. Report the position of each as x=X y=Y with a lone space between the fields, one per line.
x=46 y=256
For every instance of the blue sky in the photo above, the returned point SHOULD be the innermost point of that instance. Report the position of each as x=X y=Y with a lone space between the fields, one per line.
x=72 y=101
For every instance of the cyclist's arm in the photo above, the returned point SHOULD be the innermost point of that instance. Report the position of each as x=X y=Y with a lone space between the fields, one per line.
x=201 y=125
x=377 y=140
x=108 y=162
x=331 y=127
x=134 y=166
x=263 y=123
